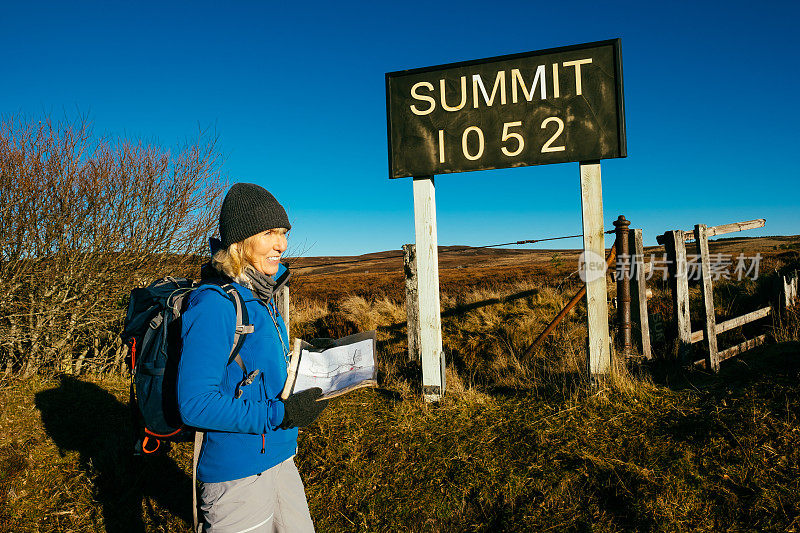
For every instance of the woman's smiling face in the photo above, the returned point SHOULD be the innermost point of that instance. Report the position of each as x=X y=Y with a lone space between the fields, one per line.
x=266 y=249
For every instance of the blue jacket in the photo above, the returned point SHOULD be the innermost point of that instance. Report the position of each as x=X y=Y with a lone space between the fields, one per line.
x=242 y=436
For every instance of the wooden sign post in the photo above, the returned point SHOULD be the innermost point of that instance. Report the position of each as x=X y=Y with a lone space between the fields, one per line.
x=536 y=108
x=594 y=273
x=429 y=313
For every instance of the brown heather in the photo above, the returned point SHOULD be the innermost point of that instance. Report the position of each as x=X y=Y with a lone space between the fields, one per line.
x=516 y=445
x=83 y=219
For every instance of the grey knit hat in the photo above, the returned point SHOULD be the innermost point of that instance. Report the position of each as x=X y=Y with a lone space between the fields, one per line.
x=249 y=209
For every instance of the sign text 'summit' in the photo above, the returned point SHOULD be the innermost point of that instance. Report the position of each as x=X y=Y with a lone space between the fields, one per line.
x=551 y=106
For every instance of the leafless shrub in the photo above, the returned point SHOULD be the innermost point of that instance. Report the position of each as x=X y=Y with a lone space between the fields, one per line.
x=82 y=220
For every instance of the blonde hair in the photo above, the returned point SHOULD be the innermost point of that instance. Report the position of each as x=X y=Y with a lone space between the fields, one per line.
x=237 y=259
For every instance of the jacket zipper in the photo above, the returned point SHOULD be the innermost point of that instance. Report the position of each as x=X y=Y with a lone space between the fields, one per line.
x=263 y=394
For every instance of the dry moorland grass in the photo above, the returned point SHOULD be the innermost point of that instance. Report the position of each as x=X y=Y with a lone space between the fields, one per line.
x=516 y=445
x=709 y=454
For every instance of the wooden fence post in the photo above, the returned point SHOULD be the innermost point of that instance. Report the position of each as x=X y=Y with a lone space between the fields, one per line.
x=707 y=288
x=639 y=291
x=675 y=243
x=595 y=269
x=429 y=310
x=412 y=301
x=789 y=293
x=282 y=303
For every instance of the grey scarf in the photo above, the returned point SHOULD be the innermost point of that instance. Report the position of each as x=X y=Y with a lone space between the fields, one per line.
x=261 y=284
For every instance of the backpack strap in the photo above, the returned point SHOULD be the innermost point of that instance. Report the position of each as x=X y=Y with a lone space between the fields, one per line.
x=243 y=328
x=198 y=442
x=243 y=325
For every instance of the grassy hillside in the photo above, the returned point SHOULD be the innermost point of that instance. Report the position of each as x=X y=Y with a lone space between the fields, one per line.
x=704 y=454
x=518 y=444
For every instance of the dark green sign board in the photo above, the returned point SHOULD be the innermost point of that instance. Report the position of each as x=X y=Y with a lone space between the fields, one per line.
x=536 y=108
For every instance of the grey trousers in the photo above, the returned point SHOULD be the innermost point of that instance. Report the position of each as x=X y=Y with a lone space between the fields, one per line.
x=272 y=501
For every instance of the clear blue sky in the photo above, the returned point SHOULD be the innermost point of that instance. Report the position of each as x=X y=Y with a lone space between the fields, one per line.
x=296 y=94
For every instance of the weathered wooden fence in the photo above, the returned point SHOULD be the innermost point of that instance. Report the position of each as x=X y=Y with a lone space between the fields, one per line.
x=631 y=273
x=675 y=244
x=412 y=297
x=414 y=321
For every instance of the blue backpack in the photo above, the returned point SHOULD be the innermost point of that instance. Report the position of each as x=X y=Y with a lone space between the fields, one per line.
x=152 y=333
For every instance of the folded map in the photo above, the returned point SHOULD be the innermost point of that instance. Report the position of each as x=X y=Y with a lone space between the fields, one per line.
x=336 y=367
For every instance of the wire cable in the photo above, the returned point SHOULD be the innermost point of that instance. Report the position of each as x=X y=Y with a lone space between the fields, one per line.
x=526 y=241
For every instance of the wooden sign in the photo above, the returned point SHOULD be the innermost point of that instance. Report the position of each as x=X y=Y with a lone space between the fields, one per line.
x=550 y=106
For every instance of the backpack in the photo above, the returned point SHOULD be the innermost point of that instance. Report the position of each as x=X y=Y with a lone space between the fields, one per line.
x=152 y=333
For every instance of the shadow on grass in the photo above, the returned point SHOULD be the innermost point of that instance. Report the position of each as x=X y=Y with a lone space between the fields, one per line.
x=741 y=426
x=765 y=363
x=462 y=309
x=766 y=376
x=466 y=308
x=83 y=417
x=552 y=387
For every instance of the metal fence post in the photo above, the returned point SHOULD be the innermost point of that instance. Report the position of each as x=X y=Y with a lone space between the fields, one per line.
x=622 y=273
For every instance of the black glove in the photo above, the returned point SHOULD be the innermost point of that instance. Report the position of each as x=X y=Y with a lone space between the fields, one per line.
x=302 y=408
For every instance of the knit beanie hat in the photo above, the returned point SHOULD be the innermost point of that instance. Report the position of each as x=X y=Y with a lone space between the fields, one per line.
x=249 y=209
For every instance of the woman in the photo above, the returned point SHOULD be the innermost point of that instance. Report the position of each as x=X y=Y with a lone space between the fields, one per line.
x=248 y=479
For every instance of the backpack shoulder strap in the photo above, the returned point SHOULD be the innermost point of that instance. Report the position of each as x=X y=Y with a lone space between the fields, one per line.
x=243 y=328
x=198 y=443
x=243 y=325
